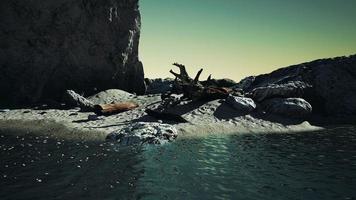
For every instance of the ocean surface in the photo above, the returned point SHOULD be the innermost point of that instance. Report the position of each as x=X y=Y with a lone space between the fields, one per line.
x=314 y=165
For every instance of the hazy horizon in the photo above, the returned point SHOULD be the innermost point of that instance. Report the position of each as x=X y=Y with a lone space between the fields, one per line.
x=235 y=38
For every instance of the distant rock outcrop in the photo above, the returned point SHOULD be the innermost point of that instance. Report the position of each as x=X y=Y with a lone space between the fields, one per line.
x=49 y=46
x=159 y=86
x=332 y=82
x=225 y=82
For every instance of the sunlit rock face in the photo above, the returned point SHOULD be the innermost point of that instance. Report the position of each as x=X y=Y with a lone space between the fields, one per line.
x=49 y=46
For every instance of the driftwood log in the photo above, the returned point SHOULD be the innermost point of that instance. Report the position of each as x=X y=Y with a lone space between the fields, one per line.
x=75 y=99
x=110 y=109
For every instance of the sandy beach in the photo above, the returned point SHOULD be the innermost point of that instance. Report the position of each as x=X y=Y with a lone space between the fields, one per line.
x=214 y=117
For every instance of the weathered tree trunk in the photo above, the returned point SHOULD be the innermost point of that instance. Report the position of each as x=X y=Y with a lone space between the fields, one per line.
x=85 y=105
x=110 y=109
x=75 y=99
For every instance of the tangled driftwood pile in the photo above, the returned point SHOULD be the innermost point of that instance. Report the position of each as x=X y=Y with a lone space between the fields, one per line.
x=189 y=89
x=193 y=89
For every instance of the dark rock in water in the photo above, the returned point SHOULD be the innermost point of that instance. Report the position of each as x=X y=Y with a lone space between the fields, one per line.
x=290 y=89
x=242 y=104
x=291 y=107
x=49 y=46
x=333 y=84
x=159 y=86
x=144 y=133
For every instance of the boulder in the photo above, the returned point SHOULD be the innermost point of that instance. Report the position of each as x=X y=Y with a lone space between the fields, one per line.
x=110 y=96
x=50 y=46
x=291 y=107
x=144 y=133
x=290 y=89
x=333 y=82
x=242 y=104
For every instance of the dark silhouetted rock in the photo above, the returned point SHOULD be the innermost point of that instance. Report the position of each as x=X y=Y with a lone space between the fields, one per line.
x=291 y=107
x=333 y=84
x=220 y=82
x=245 y=83
x=49 y=46
x=242 y=104
x=290 y=89
x=159 y=86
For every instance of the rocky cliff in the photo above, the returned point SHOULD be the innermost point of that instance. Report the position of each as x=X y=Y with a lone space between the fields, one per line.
x=332 y=84
x=49 y=46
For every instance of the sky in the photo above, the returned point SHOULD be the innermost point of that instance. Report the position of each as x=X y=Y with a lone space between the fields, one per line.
x=238 y=38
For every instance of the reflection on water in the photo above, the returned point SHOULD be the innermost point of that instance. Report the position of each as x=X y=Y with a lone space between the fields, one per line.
x=318 y=165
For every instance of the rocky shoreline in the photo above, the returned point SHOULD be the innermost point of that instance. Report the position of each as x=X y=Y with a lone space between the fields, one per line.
x=293 y=99
x=86 y=48
x=213 y=117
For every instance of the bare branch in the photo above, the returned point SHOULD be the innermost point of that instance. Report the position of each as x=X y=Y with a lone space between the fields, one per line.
x=175 y=74
x=193 y=89
x=196 y=79
x=183 y=71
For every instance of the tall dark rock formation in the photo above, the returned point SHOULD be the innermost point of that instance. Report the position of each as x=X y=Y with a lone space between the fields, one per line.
x=48 y=46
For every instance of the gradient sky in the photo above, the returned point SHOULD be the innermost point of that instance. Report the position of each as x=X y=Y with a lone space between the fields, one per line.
x=238 y=38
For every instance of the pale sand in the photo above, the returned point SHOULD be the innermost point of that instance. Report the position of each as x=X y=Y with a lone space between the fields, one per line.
x=214 y=117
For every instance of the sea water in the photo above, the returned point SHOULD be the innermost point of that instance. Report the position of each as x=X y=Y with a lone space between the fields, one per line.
x=311 y=165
